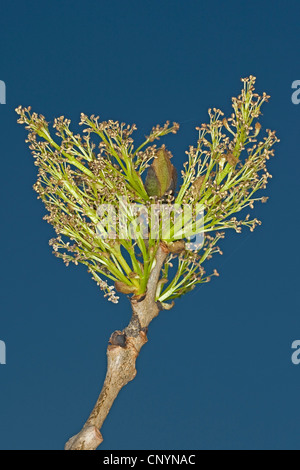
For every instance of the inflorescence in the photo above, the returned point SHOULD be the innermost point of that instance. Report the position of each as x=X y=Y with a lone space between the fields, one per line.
x=76 y=175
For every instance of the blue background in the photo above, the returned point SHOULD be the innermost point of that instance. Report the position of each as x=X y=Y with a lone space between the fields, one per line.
x=217 y=371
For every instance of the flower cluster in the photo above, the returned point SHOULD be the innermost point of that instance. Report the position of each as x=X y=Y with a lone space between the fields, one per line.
x=78 y=173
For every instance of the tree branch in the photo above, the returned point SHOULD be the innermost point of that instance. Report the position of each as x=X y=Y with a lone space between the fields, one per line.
x=122 y=352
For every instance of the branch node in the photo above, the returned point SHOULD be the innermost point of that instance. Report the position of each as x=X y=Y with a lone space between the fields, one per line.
x=89 y=438
x=118 y=338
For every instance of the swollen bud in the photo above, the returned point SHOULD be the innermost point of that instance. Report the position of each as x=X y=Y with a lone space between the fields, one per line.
x=176 y=247
x=162 y=175
x=124 y=288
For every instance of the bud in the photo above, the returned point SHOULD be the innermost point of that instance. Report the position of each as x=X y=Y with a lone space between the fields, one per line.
x=197 y=186
x=166 y=305
x=176 y=247
x=125 y=288
x=226 y=125
x=162 y=175
x=257 y=129
x=231 y=159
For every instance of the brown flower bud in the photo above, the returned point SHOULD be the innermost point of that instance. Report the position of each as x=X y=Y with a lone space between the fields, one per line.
x=257 y=129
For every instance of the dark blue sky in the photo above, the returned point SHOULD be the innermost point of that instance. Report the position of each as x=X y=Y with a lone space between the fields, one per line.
x=217 y=371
